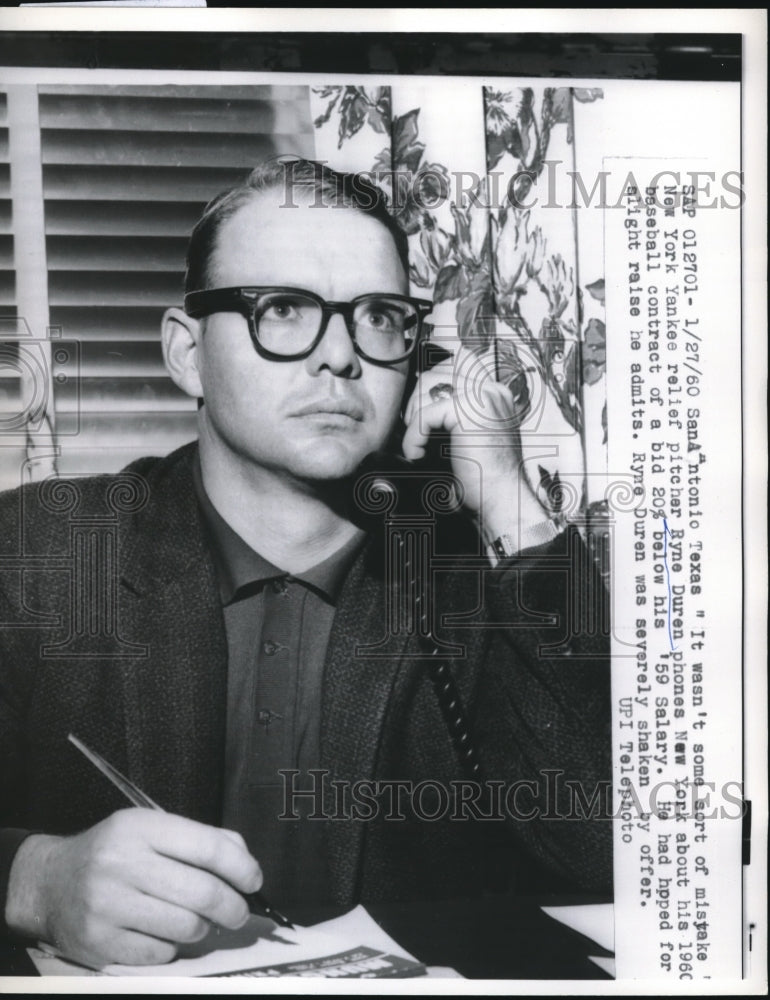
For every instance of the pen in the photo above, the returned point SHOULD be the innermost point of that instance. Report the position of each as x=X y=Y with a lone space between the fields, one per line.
x=139 y=798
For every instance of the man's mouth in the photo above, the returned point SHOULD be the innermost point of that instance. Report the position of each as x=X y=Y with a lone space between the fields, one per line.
x=331 y=407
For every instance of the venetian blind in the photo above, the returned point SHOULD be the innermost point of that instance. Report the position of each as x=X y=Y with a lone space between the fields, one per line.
x=126 y=172
x=10 y=382
x=6 y=236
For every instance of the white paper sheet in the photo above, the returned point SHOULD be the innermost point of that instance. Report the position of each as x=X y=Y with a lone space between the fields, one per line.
x=596 y=922
x=351 y=946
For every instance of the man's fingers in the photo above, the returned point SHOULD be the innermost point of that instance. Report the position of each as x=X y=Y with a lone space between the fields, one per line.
x=131 y=948
x=480 y=401
x=146 y=914
x=140 y=881
x=221 y=852
x=236 y=837
x=104 y=944
x=437 y=416
x=194 y=890
x=442 y=374
x=491 y=410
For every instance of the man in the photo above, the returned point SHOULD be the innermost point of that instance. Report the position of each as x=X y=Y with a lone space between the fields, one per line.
x=250 y=613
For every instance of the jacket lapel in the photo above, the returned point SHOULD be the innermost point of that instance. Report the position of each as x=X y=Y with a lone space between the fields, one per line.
x=356 y=692
x=364 y=678
x=175 y=693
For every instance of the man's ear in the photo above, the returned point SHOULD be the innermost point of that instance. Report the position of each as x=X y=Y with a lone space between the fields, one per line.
x=180 y=336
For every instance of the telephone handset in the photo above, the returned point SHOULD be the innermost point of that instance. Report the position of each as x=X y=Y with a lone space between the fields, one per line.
x=396 y=488
x=404 y=480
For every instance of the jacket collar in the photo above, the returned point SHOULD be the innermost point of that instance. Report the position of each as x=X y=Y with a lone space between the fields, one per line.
x=162 y=540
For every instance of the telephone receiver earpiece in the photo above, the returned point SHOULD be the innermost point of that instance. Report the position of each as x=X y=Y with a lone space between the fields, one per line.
x=385 y=485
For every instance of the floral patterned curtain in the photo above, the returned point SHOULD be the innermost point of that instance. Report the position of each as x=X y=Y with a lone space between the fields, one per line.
x=481 y=179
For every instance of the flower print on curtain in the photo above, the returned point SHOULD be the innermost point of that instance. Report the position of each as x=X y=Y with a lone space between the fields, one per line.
x=352 y=125
x=529 y=141
x=459 y=162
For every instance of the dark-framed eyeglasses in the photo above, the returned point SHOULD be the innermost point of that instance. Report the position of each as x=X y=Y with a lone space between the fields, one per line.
x=286 y=324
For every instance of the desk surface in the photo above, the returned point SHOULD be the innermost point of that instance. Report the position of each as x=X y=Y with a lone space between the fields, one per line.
x=495 y=938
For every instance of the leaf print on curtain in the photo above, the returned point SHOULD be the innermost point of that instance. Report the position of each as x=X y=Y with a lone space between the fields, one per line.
x=461 y=165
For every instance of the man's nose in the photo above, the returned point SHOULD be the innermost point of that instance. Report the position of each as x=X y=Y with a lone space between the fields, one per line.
x=336 y=351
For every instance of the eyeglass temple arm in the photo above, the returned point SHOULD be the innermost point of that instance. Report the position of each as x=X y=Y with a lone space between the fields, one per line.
x=218 y=299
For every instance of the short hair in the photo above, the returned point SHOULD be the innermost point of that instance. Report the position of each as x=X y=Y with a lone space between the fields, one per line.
x=330 y=188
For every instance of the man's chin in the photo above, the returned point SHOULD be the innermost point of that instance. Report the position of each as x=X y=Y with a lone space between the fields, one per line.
x=328 y=462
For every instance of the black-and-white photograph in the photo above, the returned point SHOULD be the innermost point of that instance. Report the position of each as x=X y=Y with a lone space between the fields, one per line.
x=371 y=506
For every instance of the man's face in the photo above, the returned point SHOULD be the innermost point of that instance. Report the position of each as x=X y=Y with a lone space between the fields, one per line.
x=314 y=418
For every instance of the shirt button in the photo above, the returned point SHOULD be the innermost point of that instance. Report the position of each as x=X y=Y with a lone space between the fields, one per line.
x=265 y=717
x=270 y=648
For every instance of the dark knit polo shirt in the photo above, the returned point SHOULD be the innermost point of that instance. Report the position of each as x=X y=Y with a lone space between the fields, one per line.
x=277 y=628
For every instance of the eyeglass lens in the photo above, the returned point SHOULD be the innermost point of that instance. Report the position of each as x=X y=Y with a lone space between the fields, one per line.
x=287 y=323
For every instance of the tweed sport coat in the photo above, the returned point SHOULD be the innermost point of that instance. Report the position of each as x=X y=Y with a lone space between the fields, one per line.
x=111 y=628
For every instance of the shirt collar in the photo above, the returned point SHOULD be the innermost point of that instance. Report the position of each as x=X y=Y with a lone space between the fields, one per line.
x=238 y=565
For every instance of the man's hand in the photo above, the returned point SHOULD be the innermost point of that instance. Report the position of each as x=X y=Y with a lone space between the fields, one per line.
x=461 y=398
x=131 y=888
